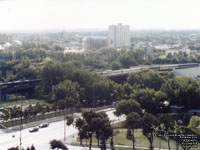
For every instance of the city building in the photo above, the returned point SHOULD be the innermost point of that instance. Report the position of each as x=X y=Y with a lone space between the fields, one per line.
x=175 y=51
x=119 y=35
x=94 y=42
x=148 y=50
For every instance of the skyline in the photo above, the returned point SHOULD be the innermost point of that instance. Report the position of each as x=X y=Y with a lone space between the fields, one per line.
x=51 y=15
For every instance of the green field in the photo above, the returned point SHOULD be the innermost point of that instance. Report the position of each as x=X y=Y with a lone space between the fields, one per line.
x=141 y=141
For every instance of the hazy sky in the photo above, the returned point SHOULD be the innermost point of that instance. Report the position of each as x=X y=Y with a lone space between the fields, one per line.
x=40 y=15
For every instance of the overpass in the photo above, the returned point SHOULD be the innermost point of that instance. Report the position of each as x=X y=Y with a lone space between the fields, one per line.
x=171 y=67
x=16 y=87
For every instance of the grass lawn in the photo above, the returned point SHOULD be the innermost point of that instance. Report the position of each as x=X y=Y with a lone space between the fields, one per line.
x=141 y=140
x=25 y=102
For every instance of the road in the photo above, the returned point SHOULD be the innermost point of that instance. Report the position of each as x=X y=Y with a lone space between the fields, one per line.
x=42 y=138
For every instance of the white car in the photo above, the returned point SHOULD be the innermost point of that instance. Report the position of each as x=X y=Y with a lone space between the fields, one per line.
x=44 y=125
x=35 y=129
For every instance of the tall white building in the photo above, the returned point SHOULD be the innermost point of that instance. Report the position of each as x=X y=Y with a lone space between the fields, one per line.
x=119 y=35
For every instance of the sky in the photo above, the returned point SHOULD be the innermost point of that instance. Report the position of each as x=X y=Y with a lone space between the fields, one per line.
x=48 y=15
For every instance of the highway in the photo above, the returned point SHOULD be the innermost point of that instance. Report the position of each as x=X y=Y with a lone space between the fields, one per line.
x=42 y=138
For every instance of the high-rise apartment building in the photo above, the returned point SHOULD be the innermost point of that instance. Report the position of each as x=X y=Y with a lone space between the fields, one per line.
x=119 y=35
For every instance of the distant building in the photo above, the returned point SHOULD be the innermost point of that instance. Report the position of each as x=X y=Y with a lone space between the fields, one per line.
x=73 y=44
x=94 y=42
x=119 y=35
x=148 y=50
x=1 y=47
x=174 y=52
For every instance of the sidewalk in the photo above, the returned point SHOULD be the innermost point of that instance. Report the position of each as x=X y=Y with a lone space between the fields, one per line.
x=118 y=147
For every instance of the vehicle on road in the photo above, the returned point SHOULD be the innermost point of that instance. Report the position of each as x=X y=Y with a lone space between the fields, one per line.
x=44 y=125
x=35 y=129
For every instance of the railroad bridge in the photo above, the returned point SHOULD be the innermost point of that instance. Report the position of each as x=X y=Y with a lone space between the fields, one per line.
x=17 y=87
x=121 y=75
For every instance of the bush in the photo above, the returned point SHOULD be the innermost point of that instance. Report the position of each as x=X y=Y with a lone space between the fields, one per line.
x=14 y=148
x=57 y=144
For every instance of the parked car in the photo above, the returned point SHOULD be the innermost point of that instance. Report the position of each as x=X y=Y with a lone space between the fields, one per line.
x=44 y=125
x=35 y=129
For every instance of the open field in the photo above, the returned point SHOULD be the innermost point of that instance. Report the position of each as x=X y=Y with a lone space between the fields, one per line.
x=141 y=140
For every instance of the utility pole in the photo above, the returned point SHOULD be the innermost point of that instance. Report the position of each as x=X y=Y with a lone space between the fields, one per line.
x=64 y=128
x=93 y=97
x=20 y=138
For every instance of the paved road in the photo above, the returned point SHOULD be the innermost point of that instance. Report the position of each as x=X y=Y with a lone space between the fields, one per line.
x=42 y=138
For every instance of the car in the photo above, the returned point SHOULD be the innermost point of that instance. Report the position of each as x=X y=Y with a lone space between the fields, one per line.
x=44 y=125
x=35 y=129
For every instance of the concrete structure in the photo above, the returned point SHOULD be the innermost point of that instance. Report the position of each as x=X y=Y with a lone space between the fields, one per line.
x=188 y=72
x=94 y=42
x=195 y=112
x=119 y=35
x=17 y=87
x=174 y=51
x=171 y=67
x=148 y=50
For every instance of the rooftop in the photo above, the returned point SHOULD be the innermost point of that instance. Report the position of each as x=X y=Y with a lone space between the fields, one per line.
x=98 y=37
x=188 y=72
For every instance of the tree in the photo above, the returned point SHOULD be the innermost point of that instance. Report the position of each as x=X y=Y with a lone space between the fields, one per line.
x=52 y=74
x=14 y=148
x=28 y=148
x=103 y=128
x=127 y=60
x=89 y=117
x=182 y=91
x=80 y=124
x=57 y=144
x=70 y=120
x=127 y=106
x=149 y=99
x=65 y=89
x=94 y=123
x=127 y=90
x=32 y=147
x=133 y=121
x=27 y=73
x=149 y=78
x=194 y=123
x=115 y=66
x=149 y=124
x=168 y=122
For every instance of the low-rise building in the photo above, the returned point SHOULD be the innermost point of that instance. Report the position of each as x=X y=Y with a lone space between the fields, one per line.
x=94 y=42
x=148 y=50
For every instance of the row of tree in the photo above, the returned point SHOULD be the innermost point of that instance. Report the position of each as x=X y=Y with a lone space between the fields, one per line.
x=161 y=125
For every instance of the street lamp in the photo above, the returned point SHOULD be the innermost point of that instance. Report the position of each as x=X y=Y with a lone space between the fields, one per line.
x=165 y=103
x=111 y=142
x=14 y=136
x=21 y=125
x=64 y=128
x=160 y=133
x=178 y=123
x=68 y=120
